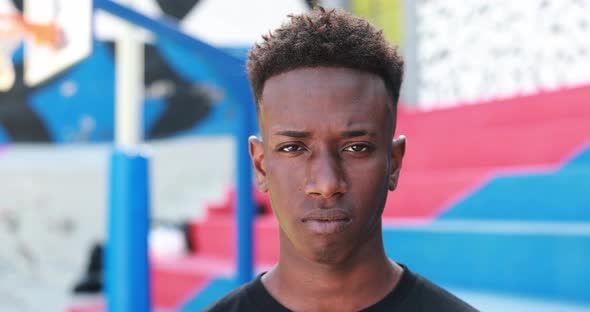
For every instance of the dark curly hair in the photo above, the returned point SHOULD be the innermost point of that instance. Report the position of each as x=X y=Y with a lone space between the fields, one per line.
x=325 y=38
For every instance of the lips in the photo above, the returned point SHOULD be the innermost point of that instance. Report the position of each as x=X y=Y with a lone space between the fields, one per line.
x=327 y=221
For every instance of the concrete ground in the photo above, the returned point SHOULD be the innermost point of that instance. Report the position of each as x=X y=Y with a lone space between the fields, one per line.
x=53 y=205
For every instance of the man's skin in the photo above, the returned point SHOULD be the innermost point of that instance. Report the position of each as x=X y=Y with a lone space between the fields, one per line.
x=327 y=159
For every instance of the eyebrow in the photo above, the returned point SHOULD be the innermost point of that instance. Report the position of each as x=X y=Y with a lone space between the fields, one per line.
x=306 y=134
x=357 y=133
x=294 y=134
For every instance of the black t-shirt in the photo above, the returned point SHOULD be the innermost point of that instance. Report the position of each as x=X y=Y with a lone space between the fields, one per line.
x=413 y=293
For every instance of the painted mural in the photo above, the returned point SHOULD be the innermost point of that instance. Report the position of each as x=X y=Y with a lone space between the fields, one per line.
x=180 y=96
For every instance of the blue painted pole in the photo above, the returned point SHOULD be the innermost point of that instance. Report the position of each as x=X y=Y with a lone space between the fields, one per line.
x=127 y=265
x=245 y=207
x=127 y=268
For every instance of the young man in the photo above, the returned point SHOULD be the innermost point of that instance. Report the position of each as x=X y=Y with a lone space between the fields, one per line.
x=326 y=86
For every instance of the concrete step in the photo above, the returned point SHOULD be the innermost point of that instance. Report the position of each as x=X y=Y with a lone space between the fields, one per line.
x=563 y=195
x=545 y=260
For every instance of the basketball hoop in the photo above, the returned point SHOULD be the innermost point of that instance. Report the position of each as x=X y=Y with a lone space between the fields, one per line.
x=13 y=30
x=58 y=34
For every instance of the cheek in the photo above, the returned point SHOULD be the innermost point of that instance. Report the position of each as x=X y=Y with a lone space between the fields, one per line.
x=287 y=201
x=284 y=182
x=368 y=171
x=369 y=181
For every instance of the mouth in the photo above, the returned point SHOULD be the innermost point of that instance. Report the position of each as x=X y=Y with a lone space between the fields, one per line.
x=326 y=222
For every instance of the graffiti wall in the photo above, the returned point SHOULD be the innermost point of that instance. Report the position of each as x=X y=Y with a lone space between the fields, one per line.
x=483 y=50
x=181 y=98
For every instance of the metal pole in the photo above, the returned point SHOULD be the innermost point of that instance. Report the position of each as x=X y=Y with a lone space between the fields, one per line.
x=129 y=87
x=127 y=267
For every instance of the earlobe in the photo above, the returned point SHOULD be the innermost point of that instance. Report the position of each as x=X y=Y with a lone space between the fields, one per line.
x=256 y=149
x=397 y=154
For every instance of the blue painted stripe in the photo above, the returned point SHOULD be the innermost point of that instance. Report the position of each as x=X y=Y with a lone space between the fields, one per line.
x=580 y=160
x=535 y=265
x=563 y=195
x=525 y=234
x=211 y=293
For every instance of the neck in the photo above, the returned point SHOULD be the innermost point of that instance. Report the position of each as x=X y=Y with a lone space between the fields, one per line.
x=360 y=280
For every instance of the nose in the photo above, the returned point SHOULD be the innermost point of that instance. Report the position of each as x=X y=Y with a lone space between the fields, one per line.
x=325 y=176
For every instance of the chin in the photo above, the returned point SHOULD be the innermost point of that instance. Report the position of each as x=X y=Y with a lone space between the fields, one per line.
x=329 y=254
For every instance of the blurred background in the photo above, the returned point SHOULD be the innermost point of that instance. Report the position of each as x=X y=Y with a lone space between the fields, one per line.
x=494 y=195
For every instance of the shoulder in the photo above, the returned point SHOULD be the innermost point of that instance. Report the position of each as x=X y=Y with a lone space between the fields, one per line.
x=252 y=296
x=434 y=298
x=416 y=293
x=236 y=300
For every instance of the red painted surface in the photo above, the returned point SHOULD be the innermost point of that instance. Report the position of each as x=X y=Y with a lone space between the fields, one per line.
x=450 y=151
x=226 y=205
x=95 y=306
x=216 y=237
x=421 y=195
x=536 y=129
x=176 y=280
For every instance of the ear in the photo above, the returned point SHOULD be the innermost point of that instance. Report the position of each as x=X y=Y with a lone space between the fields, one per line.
x=257 y=155
x=397 y=154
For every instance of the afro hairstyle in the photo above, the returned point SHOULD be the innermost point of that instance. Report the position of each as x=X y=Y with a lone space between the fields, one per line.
x=333 y=38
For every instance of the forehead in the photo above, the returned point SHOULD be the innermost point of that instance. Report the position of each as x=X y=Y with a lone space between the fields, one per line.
x=324 y=94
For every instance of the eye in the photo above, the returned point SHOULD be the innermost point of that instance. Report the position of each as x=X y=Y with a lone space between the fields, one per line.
x=358 y=148
x=290 y=148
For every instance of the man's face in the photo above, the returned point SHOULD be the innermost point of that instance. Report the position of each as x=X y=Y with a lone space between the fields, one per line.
x=326 y=158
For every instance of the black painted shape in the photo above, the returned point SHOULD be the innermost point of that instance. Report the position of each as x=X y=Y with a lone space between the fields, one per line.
x=186 y=103
x=177 y=8
x=17 y=118
x=91 y=281
x=18 y=4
